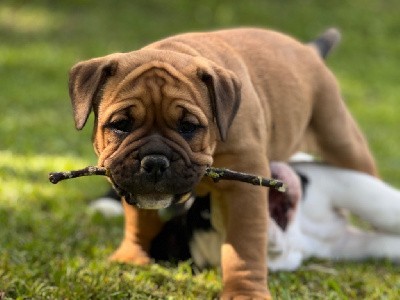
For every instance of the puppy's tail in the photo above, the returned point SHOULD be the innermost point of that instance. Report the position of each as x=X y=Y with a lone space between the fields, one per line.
x=326 y=42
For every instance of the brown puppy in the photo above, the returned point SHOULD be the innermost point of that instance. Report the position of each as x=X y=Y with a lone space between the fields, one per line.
x=232 y=98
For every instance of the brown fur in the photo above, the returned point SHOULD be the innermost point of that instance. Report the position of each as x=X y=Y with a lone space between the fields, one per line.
x=255 y=93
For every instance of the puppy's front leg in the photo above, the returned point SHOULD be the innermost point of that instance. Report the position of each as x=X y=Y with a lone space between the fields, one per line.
x=141 y=226
x=243 y=208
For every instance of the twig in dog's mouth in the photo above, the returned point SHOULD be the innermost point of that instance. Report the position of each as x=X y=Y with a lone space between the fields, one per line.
x=56 y=177
x=215 y=174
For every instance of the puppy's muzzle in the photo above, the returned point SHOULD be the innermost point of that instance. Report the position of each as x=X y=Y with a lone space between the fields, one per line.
x=154 y=166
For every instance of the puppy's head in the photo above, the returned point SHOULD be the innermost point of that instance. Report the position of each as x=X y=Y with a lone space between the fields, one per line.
x=283 y=206
x=158 y=115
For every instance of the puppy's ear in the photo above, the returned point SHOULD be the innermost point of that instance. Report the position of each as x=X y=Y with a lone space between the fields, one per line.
x=224 y=91
x=86 y=80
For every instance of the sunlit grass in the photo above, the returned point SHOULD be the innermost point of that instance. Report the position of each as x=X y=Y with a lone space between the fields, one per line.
x=27 y=20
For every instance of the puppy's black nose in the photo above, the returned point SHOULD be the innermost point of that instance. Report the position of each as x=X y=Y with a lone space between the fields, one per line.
x=154 y=165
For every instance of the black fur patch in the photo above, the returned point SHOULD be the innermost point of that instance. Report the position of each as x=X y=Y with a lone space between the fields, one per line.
x=305 y=182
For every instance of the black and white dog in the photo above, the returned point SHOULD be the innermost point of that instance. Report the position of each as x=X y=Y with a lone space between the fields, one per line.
x=310 y=220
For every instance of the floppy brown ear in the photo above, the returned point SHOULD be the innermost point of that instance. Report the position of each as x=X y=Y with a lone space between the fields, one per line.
x=224 y=91
x=86 y=80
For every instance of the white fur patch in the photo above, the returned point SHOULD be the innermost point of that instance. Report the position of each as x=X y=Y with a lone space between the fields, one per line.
x=302 y=157
x=108 y=207
x=205 y=248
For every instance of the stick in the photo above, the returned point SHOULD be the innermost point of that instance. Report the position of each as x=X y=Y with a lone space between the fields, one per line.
x=56 y=177
x=215 y=174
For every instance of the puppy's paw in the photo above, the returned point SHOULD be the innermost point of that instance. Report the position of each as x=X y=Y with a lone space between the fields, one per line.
x=130 y=253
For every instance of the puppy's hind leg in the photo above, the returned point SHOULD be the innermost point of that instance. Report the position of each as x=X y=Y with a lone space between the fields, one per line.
x=367 y=197
x=355 y=244
x=339 y=139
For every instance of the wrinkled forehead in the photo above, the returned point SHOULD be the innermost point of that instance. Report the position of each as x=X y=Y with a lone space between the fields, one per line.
x=159 y=86
x=157 y=79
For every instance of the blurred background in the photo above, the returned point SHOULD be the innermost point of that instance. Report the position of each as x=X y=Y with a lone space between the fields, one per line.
x=41 y=40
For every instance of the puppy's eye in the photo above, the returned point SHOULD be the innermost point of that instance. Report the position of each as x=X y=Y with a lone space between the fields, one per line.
x=121 y=126
x=188 y=129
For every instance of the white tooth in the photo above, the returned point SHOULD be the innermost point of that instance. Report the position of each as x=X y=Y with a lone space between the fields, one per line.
x=185 y=197
x=154 y=201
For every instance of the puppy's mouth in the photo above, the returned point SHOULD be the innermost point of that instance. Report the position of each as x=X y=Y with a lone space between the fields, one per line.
x=155 y=182
x=159 y=201
x=153 y=200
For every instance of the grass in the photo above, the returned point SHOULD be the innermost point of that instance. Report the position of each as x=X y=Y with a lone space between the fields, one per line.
x=52 y=247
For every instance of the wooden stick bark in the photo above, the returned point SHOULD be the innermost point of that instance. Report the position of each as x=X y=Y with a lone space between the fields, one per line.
x=215 y=174
x=56 y=177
